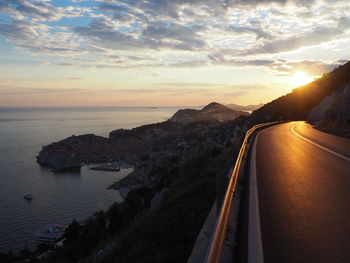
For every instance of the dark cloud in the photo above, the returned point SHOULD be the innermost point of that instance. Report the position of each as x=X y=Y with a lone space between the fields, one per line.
x=260 y=2
x=157 y=35
x=35 y=9
x=222 y=60
x=103 y=33
x=171 y=7
x=257 y=31
x=17 y=29
x=174 y=36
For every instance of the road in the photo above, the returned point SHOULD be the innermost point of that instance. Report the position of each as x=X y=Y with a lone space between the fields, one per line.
x=303 y=196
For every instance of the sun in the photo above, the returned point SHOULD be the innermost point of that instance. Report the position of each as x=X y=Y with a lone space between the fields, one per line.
x=300 y=78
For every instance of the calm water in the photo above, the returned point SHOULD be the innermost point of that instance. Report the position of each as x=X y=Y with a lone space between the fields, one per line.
x=58 y=198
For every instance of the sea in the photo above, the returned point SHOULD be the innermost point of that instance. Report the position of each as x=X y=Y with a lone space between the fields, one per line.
x=58 y=198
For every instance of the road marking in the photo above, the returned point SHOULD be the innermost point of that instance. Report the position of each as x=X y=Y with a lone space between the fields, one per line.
x=319 y=146
x=255 y=249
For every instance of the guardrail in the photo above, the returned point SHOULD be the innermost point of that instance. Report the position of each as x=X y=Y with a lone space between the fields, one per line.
x=217 y=241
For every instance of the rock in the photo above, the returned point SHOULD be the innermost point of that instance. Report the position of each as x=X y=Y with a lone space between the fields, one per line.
x=337 y=117
x=317 y=113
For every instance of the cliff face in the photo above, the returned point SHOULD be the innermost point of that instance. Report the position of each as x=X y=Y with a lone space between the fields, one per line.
x=337 y=117
x=214 y=112
x=72 y=152
x=318 y=112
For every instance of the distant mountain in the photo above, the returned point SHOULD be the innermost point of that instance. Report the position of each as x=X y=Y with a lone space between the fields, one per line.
x=212 y=112
x=247 y=108
x=297 y=104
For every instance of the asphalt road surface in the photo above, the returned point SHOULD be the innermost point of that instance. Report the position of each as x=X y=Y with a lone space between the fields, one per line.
x=303 y=182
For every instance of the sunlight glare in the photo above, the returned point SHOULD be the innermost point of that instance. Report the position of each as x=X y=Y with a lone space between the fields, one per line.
x=300 y=78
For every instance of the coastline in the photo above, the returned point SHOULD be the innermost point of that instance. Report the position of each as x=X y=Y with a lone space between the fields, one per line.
x=58 y=197
x=158 y=153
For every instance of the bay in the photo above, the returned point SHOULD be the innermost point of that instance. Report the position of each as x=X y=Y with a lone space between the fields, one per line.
x=58 y=197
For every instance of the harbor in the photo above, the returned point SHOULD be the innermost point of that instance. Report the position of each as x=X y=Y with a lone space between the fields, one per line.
x=112 y=166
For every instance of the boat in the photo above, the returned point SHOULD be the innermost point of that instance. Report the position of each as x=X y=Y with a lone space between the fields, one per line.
x=50 y=234
x=28 y=196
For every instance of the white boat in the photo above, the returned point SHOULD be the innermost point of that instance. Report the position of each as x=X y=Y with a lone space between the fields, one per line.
x=28 y=196
x=50 y=234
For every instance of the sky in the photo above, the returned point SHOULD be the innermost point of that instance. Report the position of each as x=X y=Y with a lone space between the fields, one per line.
x=166 y=52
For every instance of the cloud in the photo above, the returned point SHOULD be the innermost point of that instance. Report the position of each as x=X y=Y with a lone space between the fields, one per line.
x=314 y=68
x=103 y=34
x=314 y=37
x=37 y=38
x=70 y=78
x=262 y=2
x=260 y=33
x=280 y=66
x=24 y=91
x=18 y=29
x=156 y=35
x=128 y=34
x=174 y=36
x=250 y=87
x=39 y=10
x=222 y=60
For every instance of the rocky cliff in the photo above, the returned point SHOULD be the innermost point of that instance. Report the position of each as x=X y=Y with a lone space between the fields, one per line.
x=318 y=112
x=337 y=118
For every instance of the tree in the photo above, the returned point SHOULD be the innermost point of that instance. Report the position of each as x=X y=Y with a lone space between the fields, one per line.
x=115 y=218
x=72 y=232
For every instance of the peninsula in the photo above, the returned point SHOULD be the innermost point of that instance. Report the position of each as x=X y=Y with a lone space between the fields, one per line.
x=187 y=135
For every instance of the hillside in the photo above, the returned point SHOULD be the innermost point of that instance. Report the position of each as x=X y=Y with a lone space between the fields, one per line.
x=247 y=108
x=297 y=104
x=214 y=111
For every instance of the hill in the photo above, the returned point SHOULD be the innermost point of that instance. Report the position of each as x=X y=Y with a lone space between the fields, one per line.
x=214 y=111
x=297 y=104
x=247 y=108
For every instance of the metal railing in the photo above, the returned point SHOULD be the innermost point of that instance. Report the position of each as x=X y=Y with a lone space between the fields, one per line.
x=217 y=241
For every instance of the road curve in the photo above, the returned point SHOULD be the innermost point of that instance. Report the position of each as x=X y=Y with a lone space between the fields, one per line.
x=303 y=182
